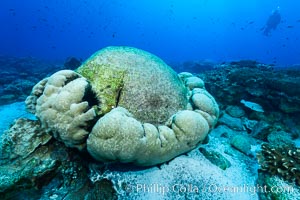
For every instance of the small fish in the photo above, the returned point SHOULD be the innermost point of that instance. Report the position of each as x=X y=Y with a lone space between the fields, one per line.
x=290 y=26
x=253 y=106
x=251 y=22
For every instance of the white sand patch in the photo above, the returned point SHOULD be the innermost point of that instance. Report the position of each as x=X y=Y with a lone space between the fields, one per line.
x=10 y=112
x=189 y=176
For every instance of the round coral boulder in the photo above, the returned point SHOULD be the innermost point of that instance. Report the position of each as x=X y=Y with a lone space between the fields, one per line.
x=136 y=80
x=125 y=105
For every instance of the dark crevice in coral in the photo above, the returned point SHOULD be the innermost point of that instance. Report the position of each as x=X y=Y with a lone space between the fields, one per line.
x=48 y=176
x=144 y=132
x=159 y=137
x=91 y=124
x=118 y=96
x=90 y=96
x=206 y=140
x=124 y=167
x=84 y=155
x=71 y=78
x=192 y=103
x=180 y=129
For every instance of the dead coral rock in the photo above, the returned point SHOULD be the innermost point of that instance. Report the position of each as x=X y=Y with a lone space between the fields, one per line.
x=216 y=158
x=25 y=159
x=242 y=143
x=35 y=167
x=261 y=130
x=235 y=111
x=23 y=138
x=280 y=138
x=232 y=122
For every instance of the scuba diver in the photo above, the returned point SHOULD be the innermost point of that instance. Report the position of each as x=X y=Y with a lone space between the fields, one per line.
x=272 y=23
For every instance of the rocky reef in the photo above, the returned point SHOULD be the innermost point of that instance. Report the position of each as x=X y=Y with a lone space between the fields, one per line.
x=19 y=75
x=34 y=166
x=273 y=128
x=275 y=89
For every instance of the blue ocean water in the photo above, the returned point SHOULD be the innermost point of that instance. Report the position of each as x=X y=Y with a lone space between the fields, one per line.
x=11 y=112
x=218 y=30
x=245 y=52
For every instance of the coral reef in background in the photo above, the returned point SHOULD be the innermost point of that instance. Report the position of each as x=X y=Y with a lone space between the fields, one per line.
x=276 y=90
x=194 y=67
x=19 y=75
x=272 y=88
x=72 y=63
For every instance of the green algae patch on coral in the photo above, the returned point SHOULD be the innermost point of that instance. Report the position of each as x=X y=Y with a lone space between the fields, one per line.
x=136 y=80
x=106 y=81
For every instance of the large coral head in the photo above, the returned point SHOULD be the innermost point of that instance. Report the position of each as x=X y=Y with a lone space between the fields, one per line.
x=136 y=80
x=126 y=105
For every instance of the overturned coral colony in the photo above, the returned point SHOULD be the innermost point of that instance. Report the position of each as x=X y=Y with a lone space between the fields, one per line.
x=124 y=104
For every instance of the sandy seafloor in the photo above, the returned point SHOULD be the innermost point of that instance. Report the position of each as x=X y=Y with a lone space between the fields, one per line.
x=10 y=112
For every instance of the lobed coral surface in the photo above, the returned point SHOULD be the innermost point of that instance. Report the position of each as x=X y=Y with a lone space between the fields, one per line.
x=126 y=105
